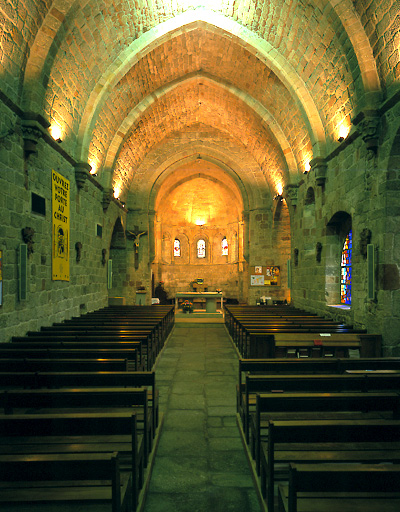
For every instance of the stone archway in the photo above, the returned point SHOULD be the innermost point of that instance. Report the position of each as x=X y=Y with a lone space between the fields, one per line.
x=199 y=201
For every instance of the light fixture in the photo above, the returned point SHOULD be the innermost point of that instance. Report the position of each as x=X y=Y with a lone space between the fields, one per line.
x=278 y=197
x=307 y=168
x=55 y=131
x=343 y=131
x=200 y=222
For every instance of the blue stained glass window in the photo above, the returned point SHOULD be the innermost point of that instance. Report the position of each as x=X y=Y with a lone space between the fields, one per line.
x=345 y=272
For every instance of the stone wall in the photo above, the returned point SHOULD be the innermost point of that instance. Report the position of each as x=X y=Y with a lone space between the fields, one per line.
x=47 y=301
x=359 y=185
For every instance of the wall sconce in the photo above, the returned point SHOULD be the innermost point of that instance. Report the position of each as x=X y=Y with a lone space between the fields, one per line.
x=340 y=139
x=307 y=167
x=278 y=197
x=56 y=133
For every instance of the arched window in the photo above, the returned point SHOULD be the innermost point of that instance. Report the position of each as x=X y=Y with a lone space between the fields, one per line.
x=345 y=271
x=201 y=248
x=224 y=246
x=177 y=248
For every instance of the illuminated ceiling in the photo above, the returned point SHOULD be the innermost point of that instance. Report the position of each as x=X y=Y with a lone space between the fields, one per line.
x=134 y=87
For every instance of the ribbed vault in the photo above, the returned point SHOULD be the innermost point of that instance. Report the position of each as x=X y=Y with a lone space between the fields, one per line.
x=126 y=81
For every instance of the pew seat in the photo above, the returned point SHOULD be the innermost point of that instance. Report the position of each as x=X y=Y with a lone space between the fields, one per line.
x=341 y=488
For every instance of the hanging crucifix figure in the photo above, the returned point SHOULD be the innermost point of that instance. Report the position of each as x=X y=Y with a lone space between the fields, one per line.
x=135 y=236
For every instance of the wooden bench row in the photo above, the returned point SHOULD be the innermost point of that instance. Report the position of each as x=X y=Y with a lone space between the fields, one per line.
x=316 y=442
x=80 y=393
x=268 y=333
x=341 y=488
x=57 y=459
x=76 y=395
x=148 y=328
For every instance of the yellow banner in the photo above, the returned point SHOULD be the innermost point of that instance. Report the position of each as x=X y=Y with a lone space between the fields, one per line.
x=61 y=227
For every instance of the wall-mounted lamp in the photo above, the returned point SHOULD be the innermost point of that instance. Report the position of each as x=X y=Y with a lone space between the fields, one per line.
x=340 y=139
x=278 y=197
x=55 y=131
x=307 y=167
x=200 y=223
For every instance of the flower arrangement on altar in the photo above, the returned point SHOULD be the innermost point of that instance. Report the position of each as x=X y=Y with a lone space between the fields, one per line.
x=187 y=306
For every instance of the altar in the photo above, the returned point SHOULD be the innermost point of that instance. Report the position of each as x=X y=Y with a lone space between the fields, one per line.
x=211 y=299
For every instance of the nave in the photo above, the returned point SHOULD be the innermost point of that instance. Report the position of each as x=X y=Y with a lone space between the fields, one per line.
x=200 y=463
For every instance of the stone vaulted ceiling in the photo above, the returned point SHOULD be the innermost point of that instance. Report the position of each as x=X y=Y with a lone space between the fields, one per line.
x=135 y=87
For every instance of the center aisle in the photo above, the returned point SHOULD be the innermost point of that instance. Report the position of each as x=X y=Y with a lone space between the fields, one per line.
x=200 y=464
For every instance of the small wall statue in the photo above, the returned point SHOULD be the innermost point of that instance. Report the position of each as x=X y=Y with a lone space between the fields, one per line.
x=27 y=237
x=318 y=251
x=78 y=248
x=365 y=239
x=296 y=257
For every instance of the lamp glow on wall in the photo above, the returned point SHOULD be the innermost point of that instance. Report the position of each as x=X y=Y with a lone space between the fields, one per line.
x=117 y=191
x=307 y=167
x=200 y=222
x=56 y=132
x=343 y=131
x=93 y=166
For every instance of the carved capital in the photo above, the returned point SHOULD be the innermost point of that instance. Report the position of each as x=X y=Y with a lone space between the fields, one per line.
x=369 y=122
x=31 y=136
x=291 y=192
x=319 y=167
x=107 y=196
x=82 y=171
x=33 y=127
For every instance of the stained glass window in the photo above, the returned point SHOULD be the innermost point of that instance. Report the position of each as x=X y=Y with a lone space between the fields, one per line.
x=345 y=275
x=224 y=246
x=201 y=248
x=177 y=248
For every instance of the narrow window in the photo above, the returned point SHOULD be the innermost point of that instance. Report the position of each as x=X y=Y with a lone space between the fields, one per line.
x=177 y=248
x=345 y=271
x=201 y=248
x=224 y=246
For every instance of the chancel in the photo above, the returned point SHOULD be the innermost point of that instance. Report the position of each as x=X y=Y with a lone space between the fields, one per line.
x=241 y=158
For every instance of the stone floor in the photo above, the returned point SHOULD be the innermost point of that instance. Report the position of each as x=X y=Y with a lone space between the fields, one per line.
x=200 y=464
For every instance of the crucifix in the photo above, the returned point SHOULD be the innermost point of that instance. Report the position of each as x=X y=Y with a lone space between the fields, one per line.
x=135 y=236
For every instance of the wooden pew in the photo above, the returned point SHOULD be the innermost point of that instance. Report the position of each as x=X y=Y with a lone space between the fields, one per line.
x=268 y=333
x=51 y=380
x=59 y=365
x=302 y=406
x=341 y=488
x=317 y=441
x=87 y=340
x=309 y=366
x=94 y=345
x=76 y=433
x=368 y=382
x=133 y=356
x=50 y=481
x=76 y=399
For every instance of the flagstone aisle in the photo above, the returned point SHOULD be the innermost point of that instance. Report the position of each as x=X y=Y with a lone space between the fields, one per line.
x=200 y=464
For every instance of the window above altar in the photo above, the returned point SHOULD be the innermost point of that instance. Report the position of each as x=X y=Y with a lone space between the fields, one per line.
x=201 y=248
